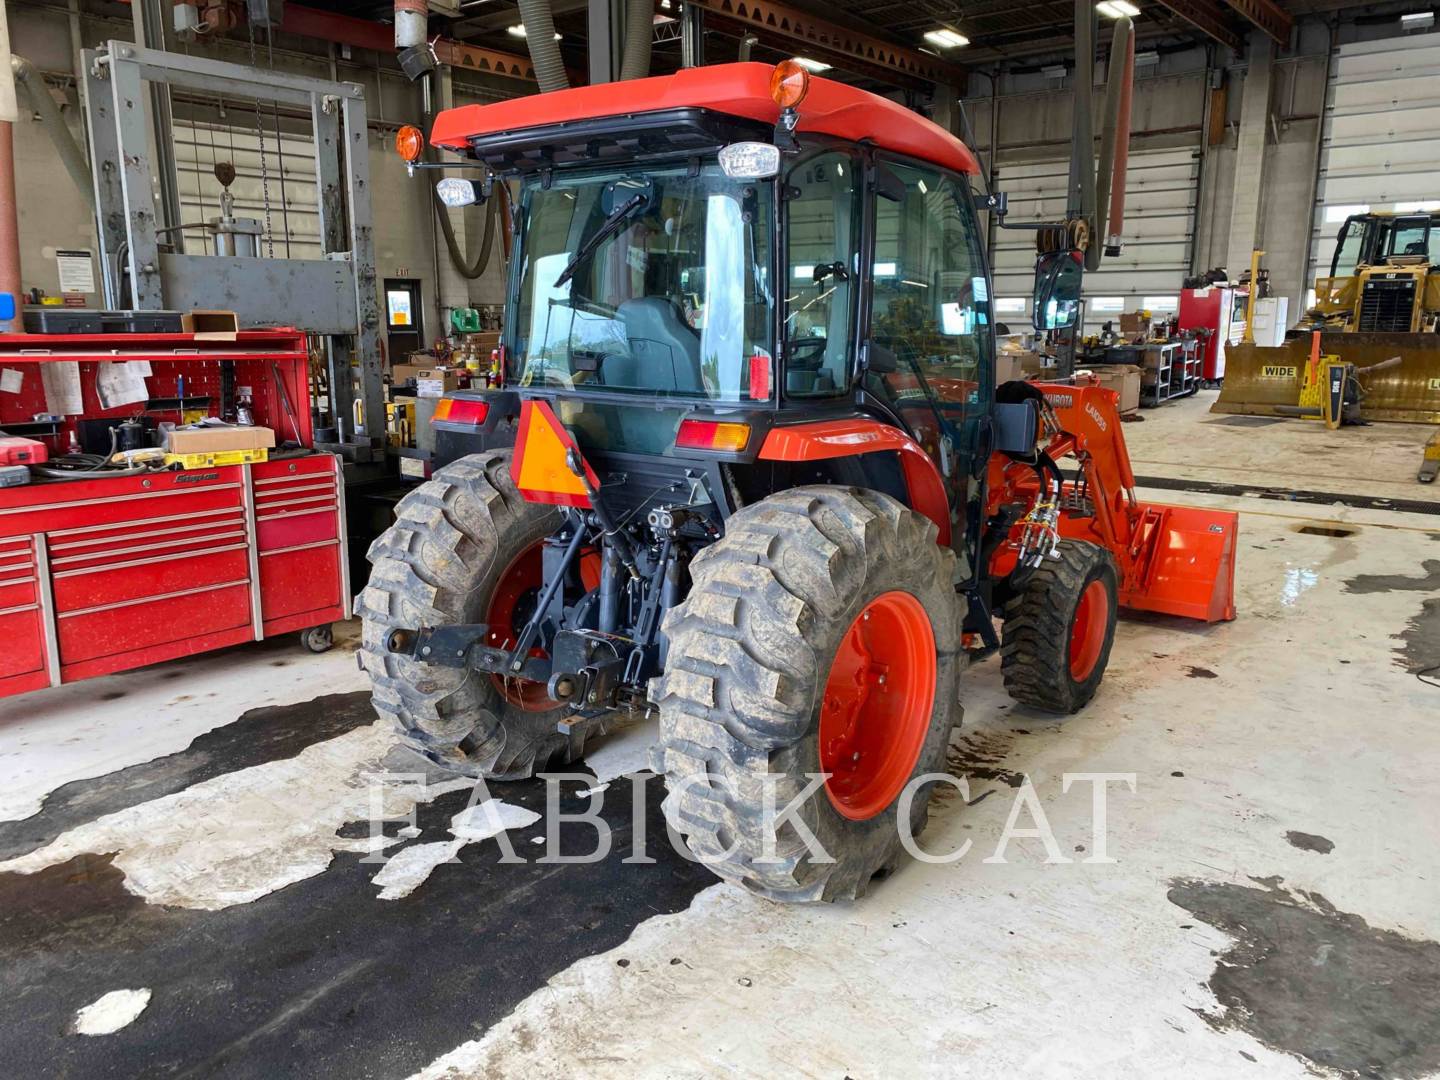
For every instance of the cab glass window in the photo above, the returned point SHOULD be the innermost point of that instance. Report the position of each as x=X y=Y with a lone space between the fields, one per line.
x=930 y=304
x=822 y=215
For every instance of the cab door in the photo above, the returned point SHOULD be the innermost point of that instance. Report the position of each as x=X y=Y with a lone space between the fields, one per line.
x=929 y=330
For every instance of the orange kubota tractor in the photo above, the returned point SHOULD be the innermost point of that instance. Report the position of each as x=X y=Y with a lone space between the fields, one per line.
x=762 y=479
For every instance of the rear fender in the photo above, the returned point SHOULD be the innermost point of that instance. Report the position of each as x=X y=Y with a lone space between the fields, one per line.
x=826 y=439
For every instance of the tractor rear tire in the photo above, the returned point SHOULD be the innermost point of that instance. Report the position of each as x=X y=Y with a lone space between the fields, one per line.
x=1059 y=628
x=774 y=645
x=455 y=538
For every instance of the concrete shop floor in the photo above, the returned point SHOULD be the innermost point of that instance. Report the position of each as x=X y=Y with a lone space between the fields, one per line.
x=181 y=859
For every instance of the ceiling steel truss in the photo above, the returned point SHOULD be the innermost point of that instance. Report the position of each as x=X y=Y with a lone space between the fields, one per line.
x=858 y=51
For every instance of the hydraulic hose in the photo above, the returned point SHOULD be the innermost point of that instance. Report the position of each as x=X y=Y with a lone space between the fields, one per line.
x=539 y=26
x=639 y=31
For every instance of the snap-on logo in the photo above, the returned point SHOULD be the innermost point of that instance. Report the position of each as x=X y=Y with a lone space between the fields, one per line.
x=196 y=478
x=1095 y=415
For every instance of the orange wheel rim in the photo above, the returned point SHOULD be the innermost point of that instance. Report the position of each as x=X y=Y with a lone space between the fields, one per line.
x=875 y=712
x=1087 y=630
x=517 y=591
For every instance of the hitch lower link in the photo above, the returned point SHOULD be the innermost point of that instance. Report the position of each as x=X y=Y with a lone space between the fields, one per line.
x=460 y=646
x=586 y=671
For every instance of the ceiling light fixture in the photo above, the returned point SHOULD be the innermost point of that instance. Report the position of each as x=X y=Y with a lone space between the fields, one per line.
x=815 y=66
x=1417 y=20
x=519 y=31
x=946 y=38
x=1114 y=9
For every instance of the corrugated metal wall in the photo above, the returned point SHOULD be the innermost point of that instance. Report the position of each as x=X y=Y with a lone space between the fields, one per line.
x=1381 y=147
x=1159 y=222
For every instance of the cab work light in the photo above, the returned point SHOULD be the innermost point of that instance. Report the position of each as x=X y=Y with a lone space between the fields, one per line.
x=460 y=411
x=712 y=435
x=454 y=191
x=750 y=160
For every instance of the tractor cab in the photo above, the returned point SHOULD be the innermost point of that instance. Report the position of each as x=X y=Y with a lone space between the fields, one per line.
x=689 y=282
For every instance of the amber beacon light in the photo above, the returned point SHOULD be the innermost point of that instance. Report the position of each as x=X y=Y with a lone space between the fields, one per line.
x=789 y=83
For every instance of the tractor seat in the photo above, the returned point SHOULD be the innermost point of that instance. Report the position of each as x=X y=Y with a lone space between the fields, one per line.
x=664 y=350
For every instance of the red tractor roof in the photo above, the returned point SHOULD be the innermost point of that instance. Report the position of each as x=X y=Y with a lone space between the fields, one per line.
x=742 y=90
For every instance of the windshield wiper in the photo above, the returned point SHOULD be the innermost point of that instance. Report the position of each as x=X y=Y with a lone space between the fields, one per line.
x=608 y=228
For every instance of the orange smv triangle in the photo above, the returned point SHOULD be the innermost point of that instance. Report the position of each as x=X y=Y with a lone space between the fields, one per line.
x=539 y=467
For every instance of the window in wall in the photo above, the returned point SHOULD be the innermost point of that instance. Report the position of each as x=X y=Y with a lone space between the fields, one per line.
x=1106 y=303
x=1334 y=215
x=823 y=229
x=1161 y=303
x=1010 y=305
x=1416 y=207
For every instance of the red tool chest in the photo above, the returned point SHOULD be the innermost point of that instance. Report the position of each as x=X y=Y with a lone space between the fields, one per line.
x=115 y=572
x=104 y=575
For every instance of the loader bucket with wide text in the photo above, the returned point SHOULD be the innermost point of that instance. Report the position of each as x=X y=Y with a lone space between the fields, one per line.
x=1262 y=381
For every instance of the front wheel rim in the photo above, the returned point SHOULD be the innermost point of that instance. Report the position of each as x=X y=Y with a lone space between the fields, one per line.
x=1087 y=630
x=875 y=711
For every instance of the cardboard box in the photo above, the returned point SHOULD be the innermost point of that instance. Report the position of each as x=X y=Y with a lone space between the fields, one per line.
x=403 y=373
x=1132 y=322
x=436 y=382
x=1124 y=379
x=1007 y=368
x=209 y=440
x=211 y=325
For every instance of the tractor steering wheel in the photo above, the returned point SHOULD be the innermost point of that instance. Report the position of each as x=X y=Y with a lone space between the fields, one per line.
x=805 y=353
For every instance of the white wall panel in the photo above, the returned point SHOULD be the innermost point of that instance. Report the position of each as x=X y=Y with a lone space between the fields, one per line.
x=1381 y=141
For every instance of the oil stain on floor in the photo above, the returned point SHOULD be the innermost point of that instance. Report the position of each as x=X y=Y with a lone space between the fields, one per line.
x=321 y=978
x=1419 y=650
x=1318 y=983
x=272 y=733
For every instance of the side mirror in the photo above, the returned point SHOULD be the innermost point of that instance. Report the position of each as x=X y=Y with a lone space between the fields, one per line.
x=881 y=359
x=1058 y=275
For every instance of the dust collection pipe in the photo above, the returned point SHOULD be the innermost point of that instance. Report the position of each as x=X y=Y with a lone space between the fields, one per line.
x=411 y=23
x=1114 y=75
x=1122 y=155
x=1081 y=201
x=539 y=26
x=9 y=234
x=639 y=31
x=71 y=156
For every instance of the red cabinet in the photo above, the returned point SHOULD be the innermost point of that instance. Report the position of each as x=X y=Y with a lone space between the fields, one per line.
x=114 y=573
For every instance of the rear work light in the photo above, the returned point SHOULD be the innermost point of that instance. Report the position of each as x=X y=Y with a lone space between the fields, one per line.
x=712 y=435
x=460 y=411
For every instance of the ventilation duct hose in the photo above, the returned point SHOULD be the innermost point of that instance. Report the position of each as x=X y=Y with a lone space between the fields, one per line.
x=1117 y=69
x=493 y=211
x=639 y=31
x=544 y=53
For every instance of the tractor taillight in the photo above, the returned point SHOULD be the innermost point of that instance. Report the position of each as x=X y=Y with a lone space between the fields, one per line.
x=712 y=435
x=460 y=411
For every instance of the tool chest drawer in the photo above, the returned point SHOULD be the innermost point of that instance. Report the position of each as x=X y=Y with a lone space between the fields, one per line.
x=124 y=561
x=22 y=627
x=88 y=634
x=298 y=529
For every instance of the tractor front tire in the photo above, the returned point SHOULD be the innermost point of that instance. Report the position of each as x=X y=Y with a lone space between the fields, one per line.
x=462 y=550
x=1059 y=628
x=820 y=635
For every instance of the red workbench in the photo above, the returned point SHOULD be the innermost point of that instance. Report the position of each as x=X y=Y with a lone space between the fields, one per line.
x=115 y=572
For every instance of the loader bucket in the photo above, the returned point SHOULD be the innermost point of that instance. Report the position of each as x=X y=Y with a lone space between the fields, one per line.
x=1259 y=381
x=1184 y=562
